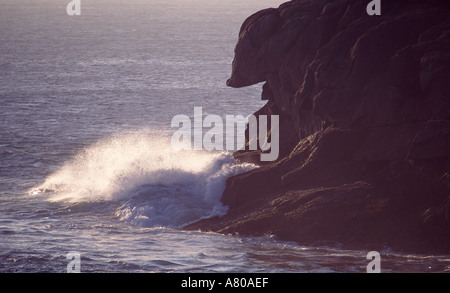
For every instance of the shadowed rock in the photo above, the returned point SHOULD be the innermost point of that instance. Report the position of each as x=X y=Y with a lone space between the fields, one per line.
x=364 y=109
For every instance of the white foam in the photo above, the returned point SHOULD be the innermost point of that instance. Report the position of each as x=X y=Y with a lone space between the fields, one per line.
x=158 y=185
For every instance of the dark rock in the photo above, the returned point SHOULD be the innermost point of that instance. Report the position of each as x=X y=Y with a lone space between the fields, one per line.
x=364 y=109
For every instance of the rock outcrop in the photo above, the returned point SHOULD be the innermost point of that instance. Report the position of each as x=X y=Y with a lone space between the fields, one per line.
x=364 y=106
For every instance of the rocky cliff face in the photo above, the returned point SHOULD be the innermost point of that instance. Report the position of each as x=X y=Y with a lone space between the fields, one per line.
x=364 y=105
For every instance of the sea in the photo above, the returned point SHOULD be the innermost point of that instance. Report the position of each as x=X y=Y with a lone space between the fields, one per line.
x=87 y=164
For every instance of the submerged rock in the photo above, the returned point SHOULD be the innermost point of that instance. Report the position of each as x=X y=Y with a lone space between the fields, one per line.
x=364 y=109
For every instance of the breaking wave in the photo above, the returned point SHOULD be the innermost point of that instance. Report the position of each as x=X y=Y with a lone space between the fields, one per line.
x=156 y=185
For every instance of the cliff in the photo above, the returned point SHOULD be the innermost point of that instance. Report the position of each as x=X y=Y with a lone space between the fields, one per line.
x=364 y=109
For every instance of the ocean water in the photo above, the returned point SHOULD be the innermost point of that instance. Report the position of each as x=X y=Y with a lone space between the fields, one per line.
x=86 y=164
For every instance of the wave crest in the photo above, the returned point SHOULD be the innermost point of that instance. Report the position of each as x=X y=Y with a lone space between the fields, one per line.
x=157 y=185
